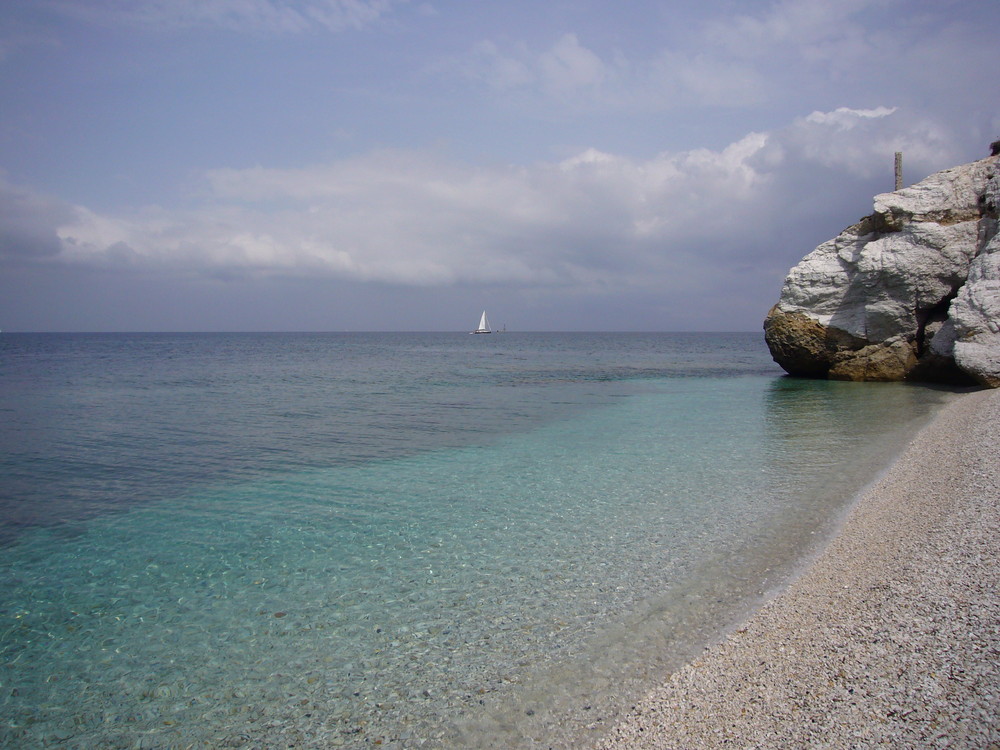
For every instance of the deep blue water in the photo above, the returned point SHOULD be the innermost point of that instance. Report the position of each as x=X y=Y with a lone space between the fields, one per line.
x=413 y=539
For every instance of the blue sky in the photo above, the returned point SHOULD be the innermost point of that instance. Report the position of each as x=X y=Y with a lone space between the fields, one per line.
x=391 y=165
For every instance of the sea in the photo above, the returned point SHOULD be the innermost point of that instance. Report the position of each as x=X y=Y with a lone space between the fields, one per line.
x=399 y=540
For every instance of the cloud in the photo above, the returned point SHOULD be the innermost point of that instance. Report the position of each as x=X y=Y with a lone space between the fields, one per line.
x=594 y=221
x=846 y=118
x=858 y=142
x=415 y=219
x=569 y=66
x=774 y=53
x=564 y=69
x=681 y=78
x=261 y=16
x=569 y=70
x=712 y=65
x=893 y=47
x=28 y=223
x=814 y=29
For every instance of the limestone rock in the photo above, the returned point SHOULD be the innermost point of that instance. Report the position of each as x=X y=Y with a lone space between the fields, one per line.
x=975 y=318
x=910 y=292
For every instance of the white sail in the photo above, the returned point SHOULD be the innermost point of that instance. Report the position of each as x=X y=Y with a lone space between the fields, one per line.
x=484 y=325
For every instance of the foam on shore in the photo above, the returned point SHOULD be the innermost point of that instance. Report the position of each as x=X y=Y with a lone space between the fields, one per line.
x=890 y=638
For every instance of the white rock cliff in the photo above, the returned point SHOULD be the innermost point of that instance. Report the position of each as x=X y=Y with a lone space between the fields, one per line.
x=910 y=292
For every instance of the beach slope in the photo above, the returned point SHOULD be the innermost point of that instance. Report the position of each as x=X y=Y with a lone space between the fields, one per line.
x=891 y=638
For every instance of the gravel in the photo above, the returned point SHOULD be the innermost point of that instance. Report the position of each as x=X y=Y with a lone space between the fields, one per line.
x=890 y=638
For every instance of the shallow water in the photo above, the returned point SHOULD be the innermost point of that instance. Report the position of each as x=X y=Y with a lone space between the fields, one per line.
x=411 y=540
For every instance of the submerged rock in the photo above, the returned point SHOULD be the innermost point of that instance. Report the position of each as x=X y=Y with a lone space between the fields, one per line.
x=910 y=292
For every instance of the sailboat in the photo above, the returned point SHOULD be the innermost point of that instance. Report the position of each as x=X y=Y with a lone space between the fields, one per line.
x=484 y=325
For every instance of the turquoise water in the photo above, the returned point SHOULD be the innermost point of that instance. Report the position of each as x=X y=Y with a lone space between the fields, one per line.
x=416 y=540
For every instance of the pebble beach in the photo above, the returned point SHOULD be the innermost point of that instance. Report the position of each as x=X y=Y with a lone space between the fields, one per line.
x=889 y=638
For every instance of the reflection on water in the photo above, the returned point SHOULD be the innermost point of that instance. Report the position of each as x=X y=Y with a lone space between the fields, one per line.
x=827 y=441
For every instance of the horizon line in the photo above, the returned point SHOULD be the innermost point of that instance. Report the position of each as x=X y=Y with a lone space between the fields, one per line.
x=362 y=331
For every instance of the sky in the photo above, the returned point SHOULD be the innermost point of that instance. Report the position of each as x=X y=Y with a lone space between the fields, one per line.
x=369 y=165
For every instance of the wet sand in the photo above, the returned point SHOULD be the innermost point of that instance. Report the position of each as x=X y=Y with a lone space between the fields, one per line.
x=890 y=638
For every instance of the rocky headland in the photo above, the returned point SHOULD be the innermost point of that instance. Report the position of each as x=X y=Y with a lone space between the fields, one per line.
x=910 y=292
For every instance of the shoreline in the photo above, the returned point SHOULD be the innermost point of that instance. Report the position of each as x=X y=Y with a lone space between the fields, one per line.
x=890 y=636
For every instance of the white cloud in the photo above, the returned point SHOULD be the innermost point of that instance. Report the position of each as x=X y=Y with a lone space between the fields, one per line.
x=770 y=53
x=807 y=26
x=845 y=118
x=565 y=68
x=861 y=142
x=28 y=222
x=569 y=66
x=570 y=70
x=496 y=69
x=594 y=220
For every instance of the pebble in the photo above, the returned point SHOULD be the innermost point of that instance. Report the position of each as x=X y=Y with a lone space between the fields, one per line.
x=891 y=638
